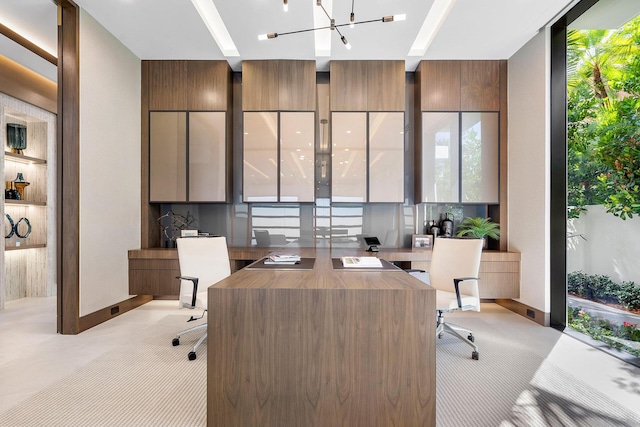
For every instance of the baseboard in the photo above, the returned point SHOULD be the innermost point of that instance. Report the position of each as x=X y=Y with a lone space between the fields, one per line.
x=100 y=316
x=533 y=314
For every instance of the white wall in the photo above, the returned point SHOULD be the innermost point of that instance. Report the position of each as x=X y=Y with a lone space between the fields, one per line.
x=529 y=172
x=109 y=165
x=610 y=245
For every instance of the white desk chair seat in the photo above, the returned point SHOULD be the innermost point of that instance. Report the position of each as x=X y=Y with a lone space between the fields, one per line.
x=204 y=261
x=455 y=264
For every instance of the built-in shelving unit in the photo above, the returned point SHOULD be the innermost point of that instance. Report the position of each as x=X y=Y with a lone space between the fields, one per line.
x=29 y=262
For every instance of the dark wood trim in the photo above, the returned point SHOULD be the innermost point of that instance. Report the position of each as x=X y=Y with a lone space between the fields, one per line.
x=27 y=85
x=503 y=217
x=27 y=44
x=115 y=310
x=68 y=208
x=558 y=186
x=533 y=314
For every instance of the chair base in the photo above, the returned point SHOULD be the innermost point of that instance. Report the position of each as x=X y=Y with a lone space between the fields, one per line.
x=456 y=330
x=192 y=354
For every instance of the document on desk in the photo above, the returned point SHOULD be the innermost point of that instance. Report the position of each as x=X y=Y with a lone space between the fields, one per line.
x=361 y=262
x=283 y=259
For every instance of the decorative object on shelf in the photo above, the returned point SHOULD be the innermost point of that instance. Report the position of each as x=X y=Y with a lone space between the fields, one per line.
x=10 y=192
x=20 y=185
x=16 y=137
x=11 y=225
x=333 y=26
x=446 y=226
x=479 y=228
x=432 y=228
x=172 y=225
x=422 y=241
x=17 y=228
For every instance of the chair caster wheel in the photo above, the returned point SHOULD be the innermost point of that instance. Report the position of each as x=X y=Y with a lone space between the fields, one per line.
x=192 y=355
x=175 y=342
x=471 y=338
x=475 y=355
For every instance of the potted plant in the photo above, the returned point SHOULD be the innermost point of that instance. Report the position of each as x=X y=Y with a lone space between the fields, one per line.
x=479 y=228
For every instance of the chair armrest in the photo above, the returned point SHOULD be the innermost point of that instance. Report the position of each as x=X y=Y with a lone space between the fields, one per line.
x=456 y=284
x=194 y=280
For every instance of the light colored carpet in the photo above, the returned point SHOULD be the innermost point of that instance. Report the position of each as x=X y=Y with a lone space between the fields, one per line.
x=147 y=382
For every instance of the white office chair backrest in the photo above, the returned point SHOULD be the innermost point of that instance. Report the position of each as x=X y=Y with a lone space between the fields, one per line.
x=206 y=258
x=454 y=258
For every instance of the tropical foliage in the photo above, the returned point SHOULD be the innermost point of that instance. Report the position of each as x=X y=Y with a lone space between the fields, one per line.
x=478 y=228
x=604 y=120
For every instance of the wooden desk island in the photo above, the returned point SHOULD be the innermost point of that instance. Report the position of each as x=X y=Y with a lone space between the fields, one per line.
x=321 y=347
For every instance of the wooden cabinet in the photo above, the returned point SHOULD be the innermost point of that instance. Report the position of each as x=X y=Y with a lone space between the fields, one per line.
x=285 y=85
x=29 y=223
x=367 y=157
x=367 y=86
x=153 y=271
x=278 y=156
x=474 y=92
x=459 y=158
x=188 y=85
x=188 y=157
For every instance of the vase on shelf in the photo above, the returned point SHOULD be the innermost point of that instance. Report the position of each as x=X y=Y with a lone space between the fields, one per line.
x=16 y=137
x=10 y=192
x=20 y=184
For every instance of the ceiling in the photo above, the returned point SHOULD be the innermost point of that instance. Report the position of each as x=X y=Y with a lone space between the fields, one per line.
x=173 y=29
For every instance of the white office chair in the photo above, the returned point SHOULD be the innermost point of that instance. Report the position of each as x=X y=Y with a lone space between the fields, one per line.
x=203 y=262
x=454 y=275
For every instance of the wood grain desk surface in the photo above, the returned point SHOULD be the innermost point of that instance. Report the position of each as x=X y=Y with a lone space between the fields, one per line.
x=321 y=347
x=322 y=276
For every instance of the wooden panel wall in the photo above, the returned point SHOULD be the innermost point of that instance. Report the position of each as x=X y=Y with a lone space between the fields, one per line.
x=208 y=85
x=440 y=86
x=367 y=86
x=385 y=86
x=22 y=83
x=297 y=85
x=284 y=85
x=467 y=86
x=480 y=85
x=183 y=86
x=167 y=85
x=260 y=85
x=348 y=85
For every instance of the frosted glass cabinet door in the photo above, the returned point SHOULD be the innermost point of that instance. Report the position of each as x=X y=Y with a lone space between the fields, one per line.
x=440 y=161
x=207 y=157
x=349 y=157
x=480 y=158
x=167 y=156
x=260 y=157
x=386 y=157
x=297 y=148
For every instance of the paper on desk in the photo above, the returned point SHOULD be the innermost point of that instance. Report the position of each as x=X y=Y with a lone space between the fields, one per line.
x=361 y=261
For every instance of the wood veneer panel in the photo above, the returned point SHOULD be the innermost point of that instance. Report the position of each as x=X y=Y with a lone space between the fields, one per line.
x=260 y=85
x=68 y=182
x=149 y=227
x=480 y=86
x=22 y=83
x=208 y=84
x=439 y=85
x=348 y=85
x=503 y=217
x=335 y=349
x=297 y=85
x=167 y=85
x=385 y=86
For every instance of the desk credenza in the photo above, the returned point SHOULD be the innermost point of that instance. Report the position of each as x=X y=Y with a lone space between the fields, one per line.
x=154 y=271
x=321 y=347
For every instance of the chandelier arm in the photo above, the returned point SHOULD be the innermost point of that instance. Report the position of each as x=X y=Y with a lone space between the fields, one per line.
x=303 y=31
x=361 y=22
x=325 y=11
